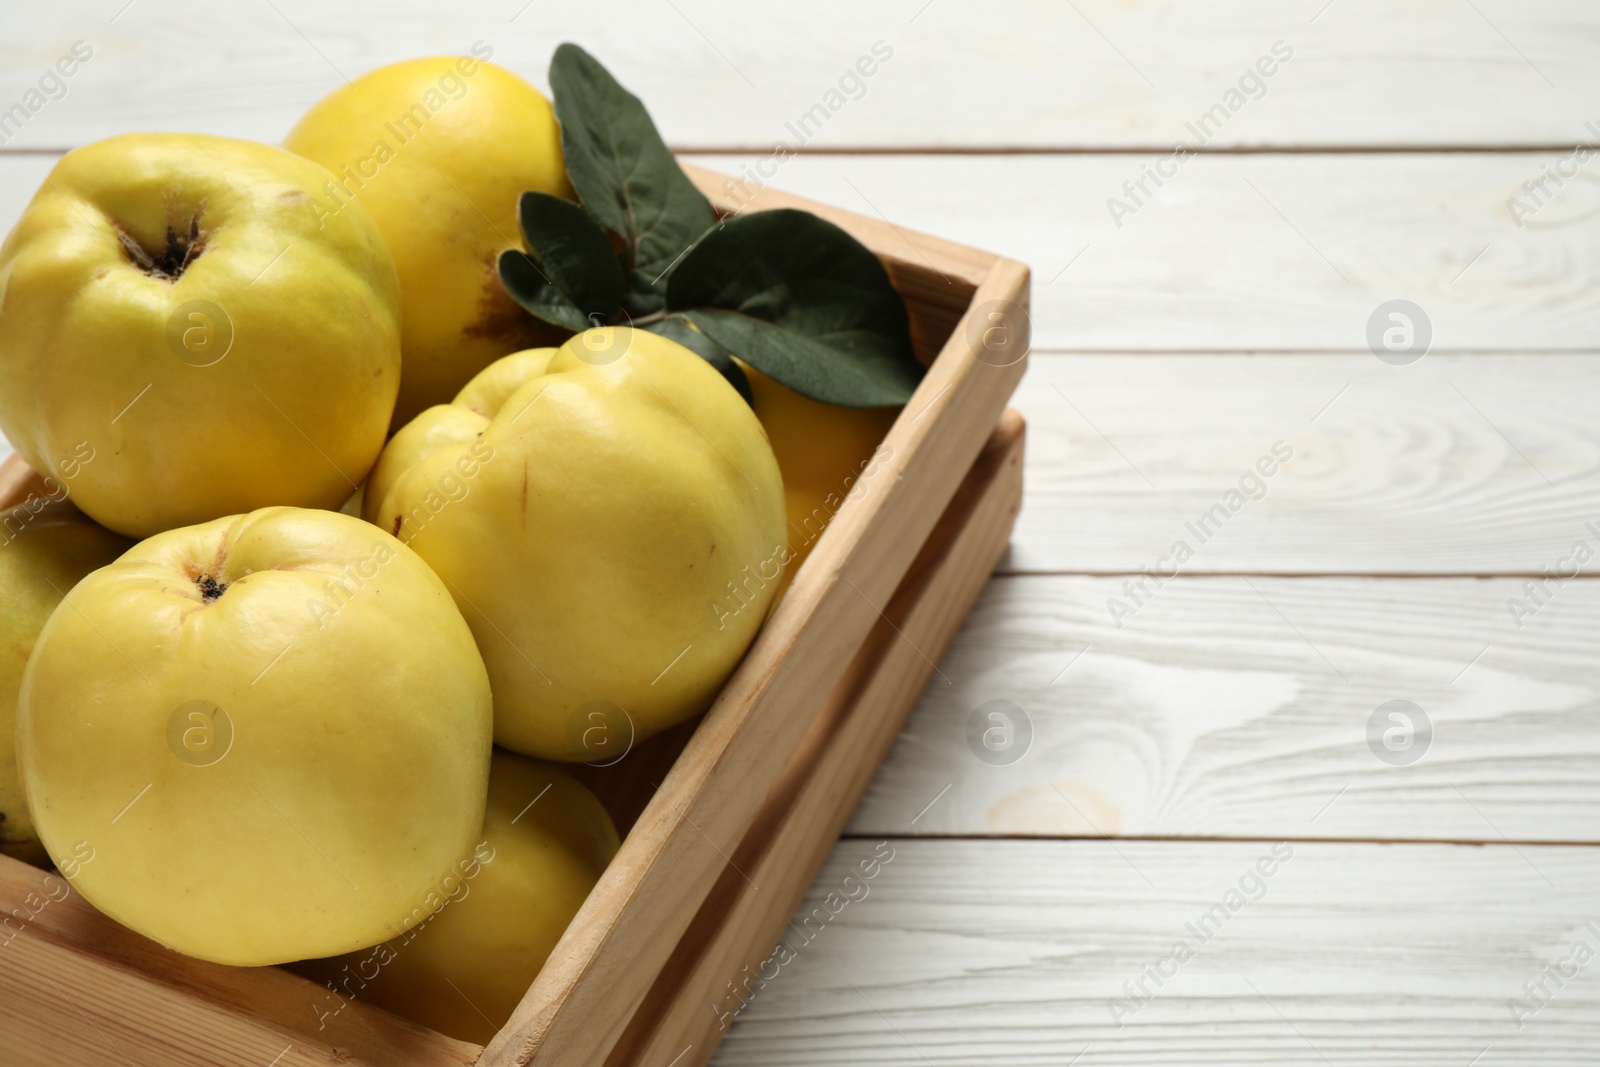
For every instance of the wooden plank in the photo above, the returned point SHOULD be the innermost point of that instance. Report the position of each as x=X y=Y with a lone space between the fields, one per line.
x=1208 y=264
x=740 y=920
x=1471 y=464
x=1253 y=252
x=1231 y=707
x=77 y=988
x=1015 y=954
x=1008 y=73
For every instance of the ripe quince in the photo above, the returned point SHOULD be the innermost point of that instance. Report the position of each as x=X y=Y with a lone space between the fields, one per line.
x=46 y=547
x=546 y=841
x=170 y=303
x=823 y=450
x=271 y=732
x=439 y=150
x=609 y=516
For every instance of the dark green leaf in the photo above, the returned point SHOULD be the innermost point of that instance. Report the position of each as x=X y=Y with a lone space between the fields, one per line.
x=679 y=329
x=573 y=253
x=624 y=173
x=528 y=286
x=803 y=302
x=809 y=367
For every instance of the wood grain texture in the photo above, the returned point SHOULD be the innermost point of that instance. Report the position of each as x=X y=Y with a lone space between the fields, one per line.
x=1010 y=953
x=1233 y=707
x=77 y=988
x=1001 y=74
x=1471 y=464
x=1254 y=252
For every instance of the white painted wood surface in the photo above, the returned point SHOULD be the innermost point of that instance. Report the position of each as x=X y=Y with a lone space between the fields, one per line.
x=1238 y=707
x=1457 y=464
x=1255 y=252
x=1003 y=73
x=1227 y=313
x=1013 y=953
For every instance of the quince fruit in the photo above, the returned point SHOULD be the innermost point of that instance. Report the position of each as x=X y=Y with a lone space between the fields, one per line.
x=46 y=547
x=609 y=516
x=439 y=150
x=546 y=841
x=823 y=450
x=270 y=731
x=170 y=303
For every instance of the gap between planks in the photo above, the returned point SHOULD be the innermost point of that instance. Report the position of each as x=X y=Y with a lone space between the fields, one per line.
x=1224 y=839
x=1057 y=150
x=1320 y=350
x=1029 y=572
x=1112 y=150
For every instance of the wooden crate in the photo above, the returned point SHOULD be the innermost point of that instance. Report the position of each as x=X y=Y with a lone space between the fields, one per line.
x=725 y=848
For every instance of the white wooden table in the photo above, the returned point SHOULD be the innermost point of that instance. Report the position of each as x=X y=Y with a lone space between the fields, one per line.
x=1205 y=855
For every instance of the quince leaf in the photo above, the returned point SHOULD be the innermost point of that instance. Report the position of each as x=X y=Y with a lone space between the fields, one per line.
x=803 y=302
x=573 y=254
x=680 y=329
x=624 y=174
x=528 y=286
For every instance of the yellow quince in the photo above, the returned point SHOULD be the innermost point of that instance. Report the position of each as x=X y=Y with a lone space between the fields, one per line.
x=170 y=304
x=462 y=971
x=269 y=733
x=610 y=519
x=46 y=547
x=439 y=150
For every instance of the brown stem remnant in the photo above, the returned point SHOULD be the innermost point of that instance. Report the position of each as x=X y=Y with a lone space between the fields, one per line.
x=169 y=263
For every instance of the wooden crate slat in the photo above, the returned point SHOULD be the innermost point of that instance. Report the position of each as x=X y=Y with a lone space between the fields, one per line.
x=766 y=878
x=76 y=987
